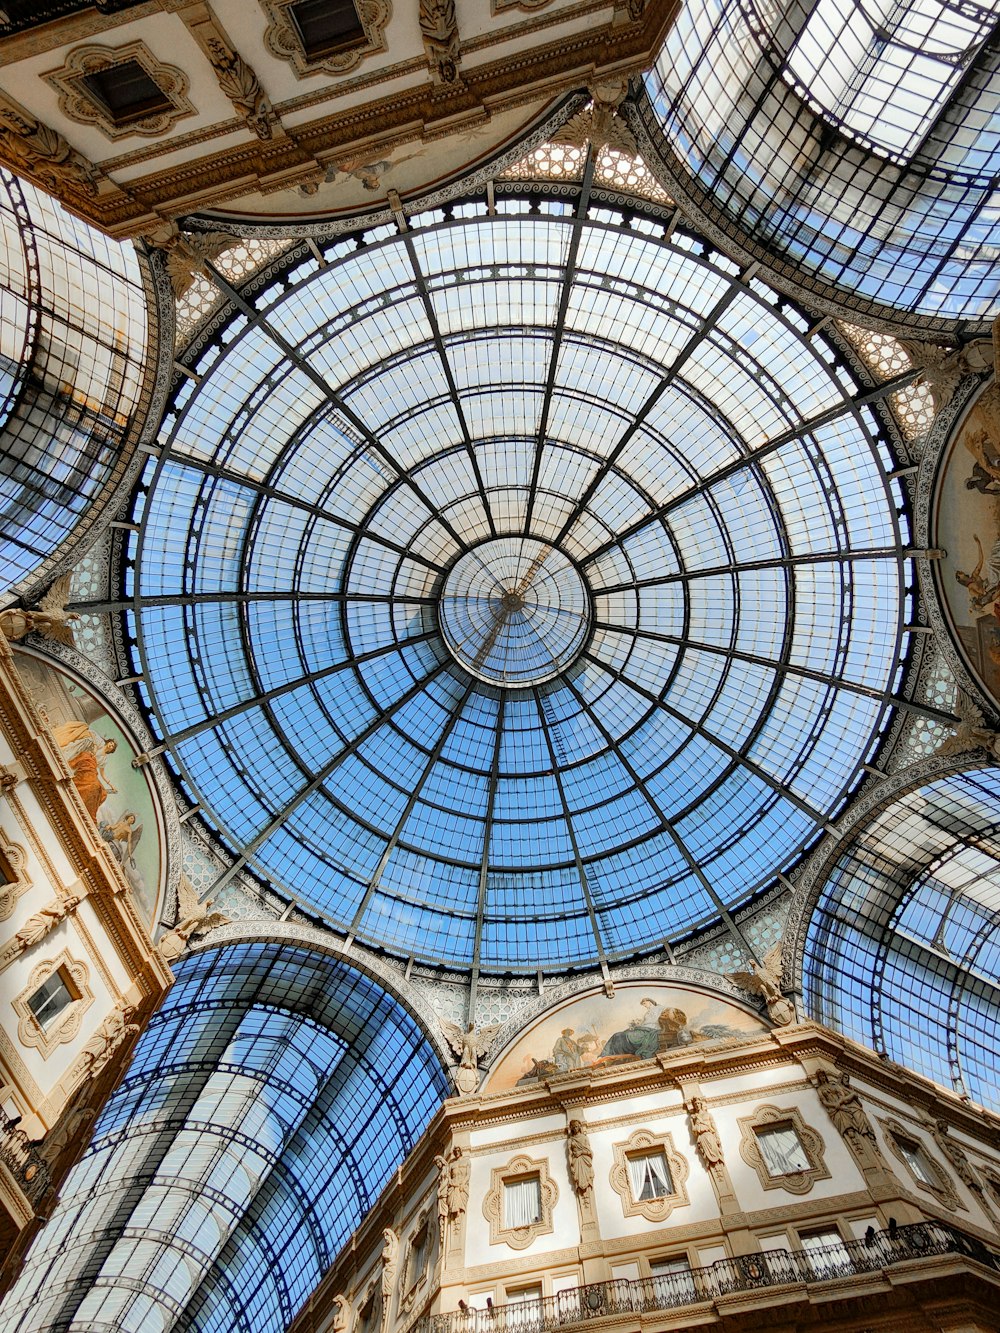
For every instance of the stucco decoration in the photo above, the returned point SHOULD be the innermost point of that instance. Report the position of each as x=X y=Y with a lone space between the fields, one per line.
x=14 y=878
x=593 y=1032
x=519 y=1169
x=99 y=753
x=925 y=1173
x=77 y=103
x=639 y=1144
x=282 y=39
x=797 y=1181
x=66 y=1025
x=965 y=526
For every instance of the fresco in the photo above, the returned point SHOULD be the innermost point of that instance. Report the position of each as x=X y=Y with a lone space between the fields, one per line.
x=99 y=754
x=637 y=1022
x=967 y=527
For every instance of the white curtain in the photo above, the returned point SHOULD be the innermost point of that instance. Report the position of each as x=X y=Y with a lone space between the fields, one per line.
x=649 y=1177
x=522 y=1202
x=782 y=1150
x=826 y=1251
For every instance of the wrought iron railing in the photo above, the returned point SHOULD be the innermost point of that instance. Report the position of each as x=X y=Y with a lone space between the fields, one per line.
x=770 y=1268
x=23 y=1160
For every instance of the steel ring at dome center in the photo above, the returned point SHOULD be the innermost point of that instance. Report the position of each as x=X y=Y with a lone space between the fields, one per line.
x=514 y=611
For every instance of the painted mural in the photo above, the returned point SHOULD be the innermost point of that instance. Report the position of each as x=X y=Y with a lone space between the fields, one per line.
x=967 y=527
x=99 y=754
x=594 y=1031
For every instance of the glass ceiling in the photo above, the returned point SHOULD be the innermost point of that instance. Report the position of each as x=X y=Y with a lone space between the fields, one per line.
x=519 y=591
x=72 y=351
x=268 y=1102
x=859 y=139
x=903 y=949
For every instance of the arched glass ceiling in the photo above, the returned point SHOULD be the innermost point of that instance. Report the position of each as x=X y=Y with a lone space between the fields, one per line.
x=520 y=590
x=857 y=139
x=903 y=949
x=72 y=352
x=268 y=1102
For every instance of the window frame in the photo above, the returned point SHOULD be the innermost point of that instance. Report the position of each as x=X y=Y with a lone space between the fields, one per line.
x=765 y=1117
x=643 y=1142
x=494 y=1203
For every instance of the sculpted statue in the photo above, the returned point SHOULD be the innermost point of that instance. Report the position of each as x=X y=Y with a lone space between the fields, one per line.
x=342 y=1315
x=390 y=1262
x=581 y=1158
x=114 y=1032
x=765 y=979
x=44 y=152
x=956 y=1156
x=470 y=1046
x=67 y=1130
x=970 y=732
x=599 y=124
x=194 y=920
x=439 y=29
x=453 y=1188
x=706 y=1136
x=38 y=926
x=844 y=1106
x=187 y=253
x=49 y=618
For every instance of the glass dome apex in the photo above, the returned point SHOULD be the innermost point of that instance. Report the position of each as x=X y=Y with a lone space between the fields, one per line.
x=672 y=480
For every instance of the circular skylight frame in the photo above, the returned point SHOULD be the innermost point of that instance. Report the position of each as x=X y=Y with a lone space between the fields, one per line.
x=534 y=947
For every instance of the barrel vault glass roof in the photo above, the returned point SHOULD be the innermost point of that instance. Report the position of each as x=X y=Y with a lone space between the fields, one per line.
x=859 y=139
x=72 y=350
x=267 y=1104
x=521 y=590
x=903 y=948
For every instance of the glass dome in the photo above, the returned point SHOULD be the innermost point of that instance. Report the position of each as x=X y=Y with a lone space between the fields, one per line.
x=521 y=590
x=855 y=144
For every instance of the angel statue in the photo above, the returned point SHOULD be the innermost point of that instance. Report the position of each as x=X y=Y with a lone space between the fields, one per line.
x=49 y=618
x=470 y=1046
x=194 y=919
x=971 y=732
x=765 y=979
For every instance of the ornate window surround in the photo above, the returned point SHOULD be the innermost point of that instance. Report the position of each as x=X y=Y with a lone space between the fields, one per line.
x=77 y=103
x=12 y=872
x=653 y=1210
x=519 y=1238
x=944 y=1191
x=767 y=1117
x=410 y=1282
x=77 y=976
x=282 y=39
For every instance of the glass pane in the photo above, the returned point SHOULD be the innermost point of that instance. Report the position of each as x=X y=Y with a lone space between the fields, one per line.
x=782 y=1150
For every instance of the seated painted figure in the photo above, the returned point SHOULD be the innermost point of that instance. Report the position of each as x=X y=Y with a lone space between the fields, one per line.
x=659 y=1029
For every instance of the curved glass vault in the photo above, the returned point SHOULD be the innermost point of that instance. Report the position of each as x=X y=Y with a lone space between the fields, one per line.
x=267 y=1104
x=858 y=141
x=73 y=340
x=520 y=590
x=903 y=949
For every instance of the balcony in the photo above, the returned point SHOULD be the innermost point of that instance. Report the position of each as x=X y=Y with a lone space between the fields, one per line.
x=747 y=1273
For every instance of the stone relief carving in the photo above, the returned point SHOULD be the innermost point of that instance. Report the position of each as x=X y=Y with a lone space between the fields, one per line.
x=38 y=926
x=705 y=1134
x=187 y=253
x=193 y=919
x=77 y=103
x=970 y=732
x=43 y=152
x=343 y=1314
x=13 y=877
x=454 y=1174
x=241 y=85
x=49 y=618
x=390 y=1264
x=599 y=124
x=957 y=1156
x=115 y=1032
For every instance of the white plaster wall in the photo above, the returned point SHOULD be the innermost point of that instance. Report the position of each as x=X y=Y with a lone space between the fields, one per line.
x=565 y=1218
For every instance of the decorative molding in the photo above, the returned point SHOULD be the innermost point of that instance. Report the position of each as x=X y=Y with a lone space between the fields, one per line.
x=282 y=39
x=768 y=1117
x=77 y=103
x=13 y=859
x=65 y=1027
x=439 y=30
x=43 y=152
x=518 y=1168
x=653 y=1210
x=941 y=1188
x=505 y=6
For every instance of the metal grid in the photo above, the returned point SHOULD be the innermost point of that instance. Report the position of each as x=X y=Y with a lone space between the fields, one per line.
x=586 y=381
x=860 y=142
x=72 y=351
x=903 y=948
x=268 y=1103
